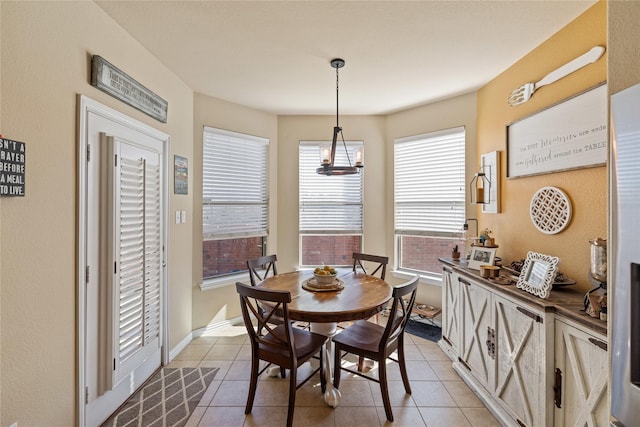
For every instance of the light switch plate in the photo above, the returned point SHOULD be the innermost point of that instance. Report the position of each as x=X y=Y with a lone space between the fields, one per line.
x=183 y=216
x=177 y=217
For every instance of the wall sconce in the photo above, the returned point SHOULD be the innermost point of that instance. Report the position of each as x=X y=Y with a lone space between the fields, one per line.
x=480 y=187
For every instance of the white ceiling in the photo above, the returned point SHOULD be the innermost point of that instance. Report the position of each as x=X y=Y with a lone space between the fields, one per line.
x=274 y=55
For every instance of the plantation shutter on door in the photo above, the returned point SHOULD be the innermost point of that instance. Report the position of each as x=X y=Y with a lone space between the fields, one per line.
x=137 y=255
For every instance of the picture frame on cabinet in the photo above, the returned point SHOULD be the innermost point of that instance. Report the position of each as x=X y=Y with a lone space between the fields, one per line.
x=538 y=273
x=481 y=255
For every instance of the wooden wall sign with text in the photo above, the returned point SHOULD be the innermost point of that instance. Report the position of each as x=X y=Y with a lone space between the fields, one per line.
x=12 y=164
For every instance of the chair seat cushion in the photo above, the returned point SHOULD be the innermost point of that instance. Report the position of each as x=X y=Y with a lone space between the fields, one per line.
x=362 y=335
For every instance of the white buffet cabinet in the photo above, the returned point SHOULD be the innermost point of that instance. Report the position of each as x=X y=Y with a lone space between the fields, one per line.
x=533 y=362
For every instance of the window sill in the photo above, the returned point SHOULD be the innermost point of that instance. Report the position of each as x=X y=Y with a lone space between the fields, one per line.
x=425 y=278
x=225 y=281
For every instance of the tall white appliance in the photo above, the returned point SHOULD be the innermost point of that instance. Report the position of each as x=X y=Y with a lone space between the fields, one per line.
x=625 y=313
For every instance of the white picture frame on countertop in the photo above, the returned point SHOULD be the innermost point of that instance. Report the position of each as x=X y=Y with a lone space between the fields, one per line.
x=481 y=255
x=538 y=273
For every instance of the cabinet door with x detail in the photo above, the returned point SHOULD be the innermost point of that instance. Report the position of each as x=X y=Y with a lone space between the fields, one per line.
x=520 y=361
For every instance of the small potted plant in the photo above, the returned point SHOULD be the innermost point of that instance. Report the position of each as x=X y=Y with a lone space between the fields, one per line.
x=455 y=254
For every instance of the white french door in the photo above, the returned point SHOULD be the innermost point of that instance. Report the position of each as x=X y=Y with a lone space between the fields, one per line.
x=122 y=245
x=136 y=254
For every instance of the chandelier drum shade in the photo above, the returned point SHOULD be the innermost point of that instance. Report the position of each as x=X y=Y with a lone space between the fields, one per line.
x=328 y=152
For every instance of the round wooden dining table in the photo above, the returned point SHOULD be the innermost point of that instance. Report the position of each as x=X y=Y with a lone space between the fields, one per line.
x=361 y=297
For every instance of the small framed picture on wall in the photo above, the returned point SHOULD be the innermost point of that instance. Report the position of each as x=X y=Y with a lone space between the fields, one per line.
x=180 y=175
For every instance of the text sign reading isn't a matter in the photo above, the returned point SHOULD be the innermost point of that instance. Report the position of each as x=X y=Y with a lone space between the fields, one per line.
x=12 y=161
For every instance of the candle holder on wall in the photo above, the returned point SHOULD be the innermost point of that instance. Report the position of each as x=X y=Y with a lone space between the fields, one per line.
x=480 y=186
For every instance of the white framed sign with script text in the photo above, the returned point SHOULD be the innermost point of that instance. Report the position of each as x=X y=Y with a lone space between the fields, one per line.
x=569 y=135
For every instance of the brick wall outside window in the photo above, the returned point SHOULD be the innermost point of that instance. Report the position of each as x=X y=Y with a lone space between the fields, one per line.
x=330 y=250
x=422 y=253
x=228 y=256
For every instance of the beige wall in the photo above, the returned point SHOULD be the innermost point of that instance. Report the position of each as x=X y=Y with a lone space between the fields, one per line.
x=458 y=111
x=624 y=45
x=292 y=130
x=216 y=305
x=587 y=188
x=46 y=49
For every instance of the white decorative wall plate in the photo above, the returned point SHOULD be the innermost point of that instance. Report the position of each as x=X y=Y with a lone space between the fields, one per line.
x=550 y=210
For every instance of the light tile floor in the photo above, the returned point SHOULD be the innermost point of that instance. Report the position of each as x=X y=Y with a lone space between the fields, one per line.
x=439 y=397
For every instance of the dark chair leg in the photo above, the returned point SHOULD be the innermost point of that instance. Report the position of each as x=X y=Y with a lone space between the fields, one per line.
x=336 y=366
x=253 y=383
x=360 y=363
x=283 y=372
x=323 y=379
x=403 y=367
x=384 y=389
x=292 y=395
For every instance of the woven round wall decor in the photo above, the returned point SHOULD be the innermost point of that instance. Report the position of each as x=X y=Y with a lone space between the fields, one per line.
x=550 y=210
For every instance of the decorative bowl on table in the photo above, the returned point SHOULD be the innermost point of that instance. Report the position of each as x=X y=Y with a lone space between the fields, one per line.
x=324 y=275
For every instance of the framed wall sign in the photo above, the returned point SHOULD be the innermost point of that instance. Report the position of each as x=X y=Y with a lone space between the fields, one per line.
x=180 y=175
x=12 y=167
x=569 y=135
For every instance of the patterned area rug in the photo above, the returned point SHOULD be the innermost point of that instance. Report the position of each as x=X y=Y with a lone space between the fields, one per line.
x=167 y=399
x=424 y=330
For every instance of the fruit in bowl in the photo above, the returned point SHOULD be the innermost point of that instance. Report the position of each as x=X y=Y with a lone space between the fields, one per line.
x=324 y=275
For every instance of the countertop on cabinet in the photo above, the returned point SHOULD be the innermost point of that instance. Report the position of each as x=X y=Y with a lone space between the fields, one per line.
x=565 y=302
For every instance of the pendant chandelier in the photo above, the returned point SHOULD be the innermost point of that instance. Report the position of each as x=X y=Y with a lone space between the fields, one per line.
x=328 y=154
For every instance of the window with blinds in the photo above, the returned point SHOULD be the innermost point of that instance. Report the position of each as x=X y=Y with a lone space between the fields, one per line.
x=429 y=190
x=235 y=200
x=330 y=208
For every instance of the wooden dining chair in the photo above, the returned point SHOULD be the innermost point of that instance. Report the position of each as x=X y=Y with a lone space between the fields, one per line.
x=377 y=265
x=282 y=345
x=380 y=263
x=259 y=268
x=378 y=342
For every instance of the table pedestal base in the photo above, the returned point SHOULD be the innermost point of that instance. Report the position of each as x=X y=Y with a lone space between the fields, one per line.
x=332 y=395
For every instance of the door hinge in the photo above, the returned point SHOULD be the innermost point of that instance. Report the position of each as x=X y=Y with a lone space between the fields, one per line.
x=116 y=160
x=557 y=389
x=88 y=153
x=86 y=395
x=87 y=274
x=114 y=363
x=115 y=267
x=530 y=314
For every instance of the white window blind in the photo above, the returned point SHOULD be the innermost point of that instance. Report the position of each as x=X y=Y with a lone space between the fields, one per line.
x=234 y=185
x=329 y=204
x=429 y=183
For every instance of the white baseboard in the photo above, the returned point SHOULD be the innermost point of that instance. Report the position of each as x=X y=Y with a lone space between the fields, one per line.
x=236 y=321
x=181 y=346
x=203 y=331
